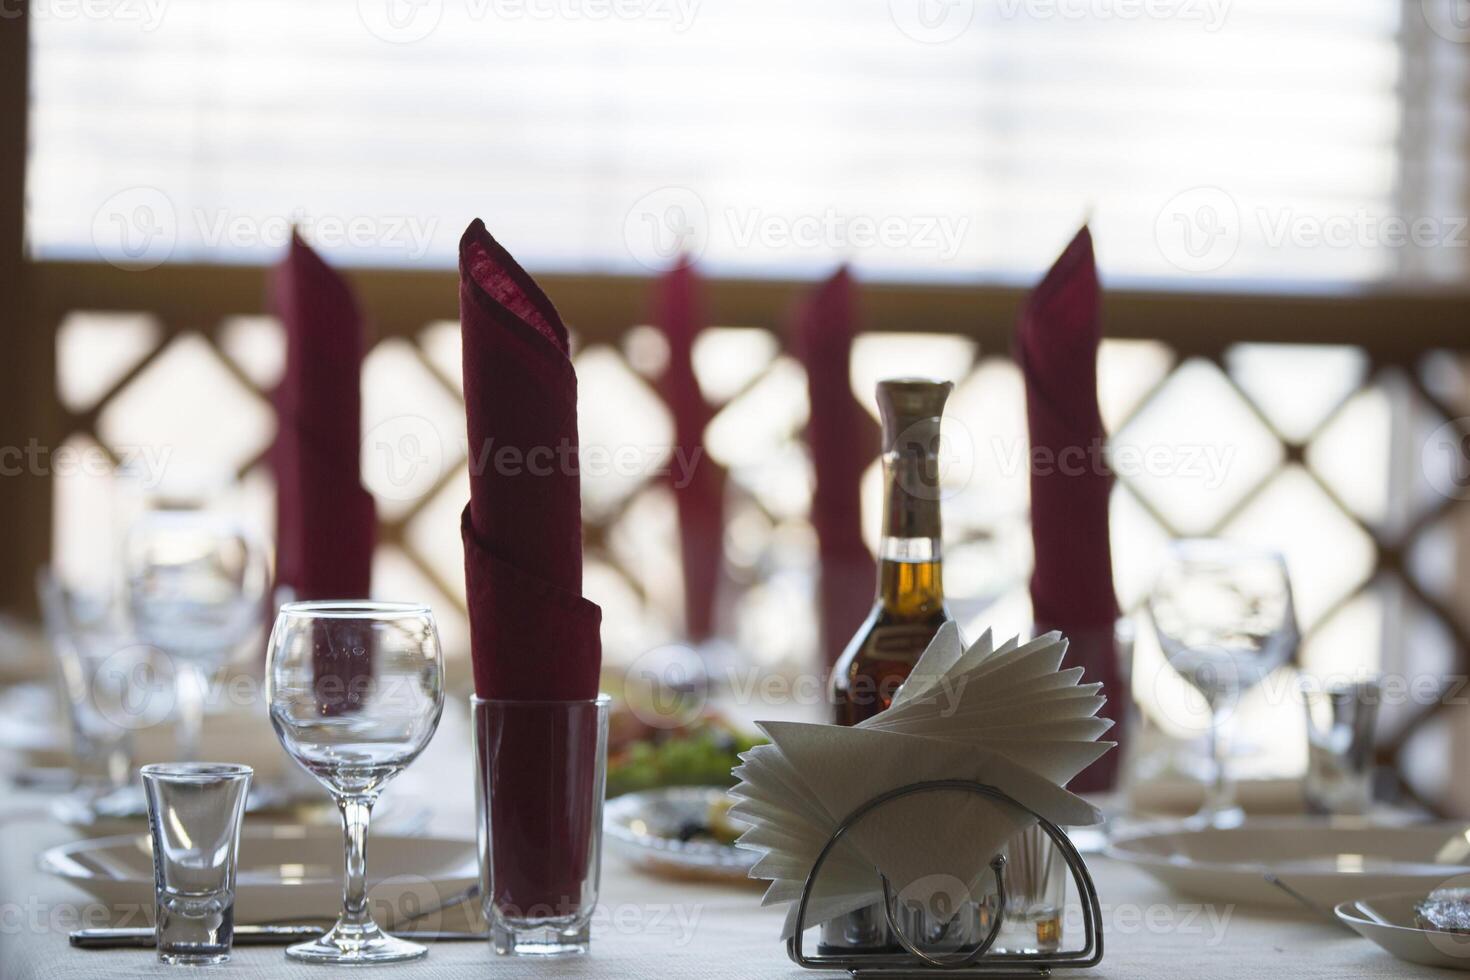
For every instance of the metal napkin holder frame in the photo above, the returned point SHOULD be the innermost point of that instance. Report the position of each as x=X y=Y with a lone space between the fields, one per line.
x=914 y=962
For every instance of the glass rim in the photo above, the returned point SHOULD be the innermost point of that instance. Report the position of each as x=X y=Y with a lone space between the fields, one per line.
x=603 y=698
x=196 y=772
x=353 y=609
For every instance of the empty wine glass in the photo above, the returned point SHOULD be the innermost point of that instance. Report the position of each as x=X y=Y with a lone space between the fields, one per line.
x=196 y=585
x=1224 y=616
x=355 y=689
x=81 y=636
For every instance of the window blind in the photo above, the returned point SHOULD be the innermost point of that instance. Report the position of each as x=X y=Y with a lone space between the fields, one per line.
x=1260 y=142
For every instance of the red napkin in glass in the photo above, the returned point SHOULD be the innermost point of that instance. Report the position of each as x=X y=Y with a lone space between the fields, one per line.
x=533 y=636
x=697 y=481
x=1072 y=585
x=843 y=440
x=326 y=523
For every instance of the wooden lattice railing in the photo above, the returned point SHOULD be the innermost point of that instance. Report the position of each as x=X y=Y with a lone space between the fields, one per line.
x=1404 y=344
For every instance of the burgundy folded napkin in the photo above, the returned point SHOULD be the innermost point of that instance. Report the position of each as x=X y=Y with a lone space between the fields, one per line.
x=326 y=525
x=1072 y=584
x=697 y=480
x=533 y=636
x=843 y=440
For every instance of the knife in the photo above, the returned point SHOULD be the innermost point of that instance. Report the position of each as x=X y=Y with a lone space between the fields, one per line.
x=142 y=937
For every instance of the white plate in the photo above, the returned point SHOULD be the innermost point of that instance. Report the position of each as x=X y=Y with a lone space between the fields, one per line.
x=1389 y=921
x=1328 y=861
x=644 y=829
x=285 y=874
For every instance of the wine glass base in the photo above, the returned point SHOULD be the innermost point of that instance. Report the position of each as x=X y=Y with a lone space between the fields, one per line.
x=356 y=945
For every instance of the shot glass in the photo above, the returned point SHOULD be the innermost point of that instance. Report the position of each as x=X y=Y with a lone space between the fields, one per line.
x=1340 y=720
x=194 y=815
x=1036 y=894
x=541 y=767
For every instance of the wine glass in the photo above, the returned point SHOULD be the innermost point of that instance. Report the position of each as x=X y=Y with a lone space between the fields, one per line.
x=196 y=584
x=1224 y=617
x=355 y=690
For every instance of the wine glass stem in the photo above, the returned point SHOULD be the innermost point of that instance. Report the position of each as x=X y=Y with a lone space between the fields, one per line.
x=356 y=813
x=190 y=682
x=1220 y=796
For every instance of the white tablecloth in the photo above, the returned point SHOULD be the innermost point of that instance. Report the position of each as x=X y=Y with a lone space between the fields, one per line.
x=650 y=928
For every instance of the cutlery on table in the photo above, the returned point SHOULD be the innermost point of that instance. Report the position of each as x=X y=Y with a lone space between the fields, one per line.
x=278 y=933
x=142 y=937
x=1315 y=908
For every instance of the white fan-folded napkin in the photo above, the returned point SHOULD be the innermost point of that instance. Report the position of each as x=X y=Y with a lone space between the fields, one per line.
x=1010 y=718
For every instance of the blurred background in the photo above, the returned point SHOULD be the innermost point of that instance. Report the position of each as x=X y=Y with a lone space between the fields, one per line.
x=1277 y=190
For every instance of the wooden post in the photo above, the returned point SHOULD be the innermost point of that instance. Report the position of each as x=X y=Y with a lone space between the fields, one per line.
x=27 y=401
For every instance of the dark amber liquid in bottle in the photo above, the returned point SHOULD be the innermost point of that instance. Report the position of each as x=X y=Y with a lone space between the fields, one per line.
x=908 y=612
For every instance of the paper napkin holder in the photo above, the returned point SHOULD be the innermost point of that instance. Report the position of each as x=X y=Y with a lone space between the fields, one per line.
x=973 y=962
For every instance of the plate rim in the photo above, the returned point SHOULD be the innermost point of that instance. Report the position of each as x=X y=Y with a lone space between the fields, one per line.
x=1118 y=849
x=57 y=860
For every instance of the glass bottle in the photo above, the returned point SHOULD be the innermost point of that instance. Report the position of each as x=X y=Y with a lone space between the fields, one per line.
x=909 y=608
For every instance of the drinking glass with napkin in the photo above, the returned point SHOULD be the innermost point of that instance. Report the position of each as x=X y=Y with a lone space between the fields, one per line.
x=534 y=638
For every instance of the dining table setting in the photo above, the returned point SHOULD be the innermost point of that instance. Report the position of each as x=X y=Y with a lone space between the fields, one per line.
x=248 y=760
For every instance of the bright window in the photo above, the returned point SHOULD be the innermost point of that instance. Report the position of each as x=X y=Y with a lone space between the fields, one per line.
x=1258 y=140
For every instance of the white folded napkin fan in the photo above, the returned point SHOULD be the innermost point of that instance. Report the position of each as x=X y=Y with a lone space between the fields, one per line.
x=1009 y=718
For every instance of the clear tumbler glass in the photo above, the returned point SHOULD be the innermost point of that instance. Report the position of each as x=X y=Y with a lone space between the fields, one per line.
x=194 y=815
x=541 y=769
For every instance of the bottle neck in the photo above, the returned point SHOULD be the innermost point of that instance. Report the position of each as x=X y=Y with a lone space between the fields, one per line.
x=910 y=563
